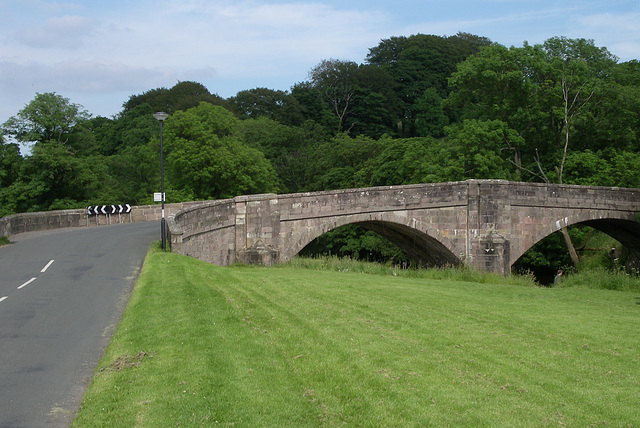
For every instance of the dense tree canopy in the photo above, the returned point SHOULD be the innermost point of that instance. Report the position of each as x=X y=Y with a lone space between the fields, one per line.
x=207 y=160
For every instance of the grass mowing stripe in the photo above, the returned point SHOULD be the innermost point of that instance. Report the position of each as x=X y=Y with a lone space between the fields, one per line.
x=205 y=345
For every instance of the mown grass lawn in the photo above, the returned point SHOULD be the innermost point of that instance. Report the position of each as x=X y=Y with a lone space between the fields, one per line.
x=201 y=345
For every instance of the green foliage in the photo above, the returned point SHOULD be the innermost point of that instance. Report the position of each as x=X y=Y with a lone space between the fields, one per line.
x=398 y=268
x=482 y=148
x=63 y=169
x=414 y=160
x=344 y=162
x=336 y=81
x=288 y=148
x=601 y=278
x=58 y=178
x=624 y=169
x=182 y=96
x=266 y=103
x=417 y=64
x=357 y=243
x=557 y=97
x=10 y=162
x=588 y=169
x=136 y=170
x=206 y=158
x=48 y=117
x=430 y=117
x=134 y=127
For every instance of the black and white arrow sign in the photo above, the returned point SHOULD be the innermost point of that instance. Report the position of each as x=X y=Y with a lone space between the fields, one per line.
x=109 y=209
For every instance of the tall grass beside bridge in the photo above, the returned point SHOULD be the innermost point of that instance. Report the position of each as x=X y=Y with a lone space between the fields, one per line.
x=201 y=345
x=588 y=275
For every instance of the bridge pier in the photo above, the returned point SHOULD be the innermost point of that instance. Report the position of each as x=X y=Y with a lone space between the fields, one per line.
x=489 y=225
x=257 y=229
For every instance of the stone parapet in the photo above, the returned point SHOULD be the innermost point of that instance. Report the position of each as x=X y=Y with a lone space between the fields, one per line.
x=47 y=220
x=38 y=221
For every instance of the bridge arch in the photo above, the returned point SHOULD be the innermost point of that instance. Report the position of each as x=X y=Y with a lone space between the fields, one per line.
x=619 y=225
x=426 y=246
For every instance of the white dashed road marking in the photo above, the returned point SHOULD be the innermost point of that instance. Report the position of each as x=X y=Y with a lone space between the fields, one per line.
x=44 y=269
x=27 y=283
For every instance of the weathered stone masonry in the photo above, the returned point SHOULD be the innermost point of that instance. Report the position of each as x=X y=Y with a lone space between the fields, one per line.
x=486 y=224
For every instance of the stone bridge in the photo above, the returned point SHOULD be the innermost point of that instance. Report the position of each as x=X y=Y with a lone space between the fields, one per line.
x=484 y=224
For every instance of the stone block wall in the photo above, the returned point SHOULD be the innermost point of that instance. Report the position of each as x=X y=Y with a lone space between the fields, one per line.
x=32 y=222
x=205 y=231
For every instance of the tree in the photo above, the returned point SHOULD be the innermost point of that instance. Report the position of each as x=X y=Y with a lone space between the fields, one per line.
x=280 y=106
x=134 y=127
x=48 y=117
x=344 y=162
x=430 y=116
x=613 y=121
x=418 y=63
x=10 y=166
x=583 y=67
x=207 y=159
x=288 y=148
x=544 y=92
x=10 y=160
x=335 y=79
x=180 y=97
x=480 y=146
x=414 y=160
x=63 y=169
x=136 y=171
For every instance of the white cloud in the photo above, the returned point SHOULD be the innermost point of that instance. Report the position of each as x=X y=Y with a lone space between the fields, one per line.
x=78 y=76
x=66 y=32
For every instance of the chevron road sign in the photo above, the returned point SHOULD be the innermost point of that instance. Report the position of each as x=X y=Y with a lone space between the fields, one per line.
x=107 y=211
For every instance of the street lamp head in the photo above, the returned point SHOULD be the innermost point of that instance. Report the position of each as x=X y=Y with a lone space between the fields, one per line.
x=160 y=115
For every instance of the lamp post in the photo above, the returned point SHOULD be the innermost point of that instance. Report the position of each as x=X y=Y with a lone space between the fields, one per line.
x=161 y=116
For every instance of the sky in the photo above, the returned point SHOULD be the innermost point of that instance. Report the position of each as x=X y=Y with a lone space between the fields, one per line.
x=99 y=53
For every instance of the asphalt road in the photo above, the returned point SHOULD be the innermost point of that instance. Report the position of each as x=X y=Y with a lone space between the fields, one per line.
x=61 y=296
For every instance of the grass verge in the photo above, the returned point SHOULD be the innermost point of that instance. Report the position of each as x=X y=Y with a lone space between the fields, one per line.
x=204 y=345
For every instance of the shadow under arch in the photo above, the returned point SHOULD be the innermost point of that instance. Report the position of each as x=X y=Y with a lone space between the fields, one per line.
x=422 y=248
x=623 y=230
x=626 y=232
